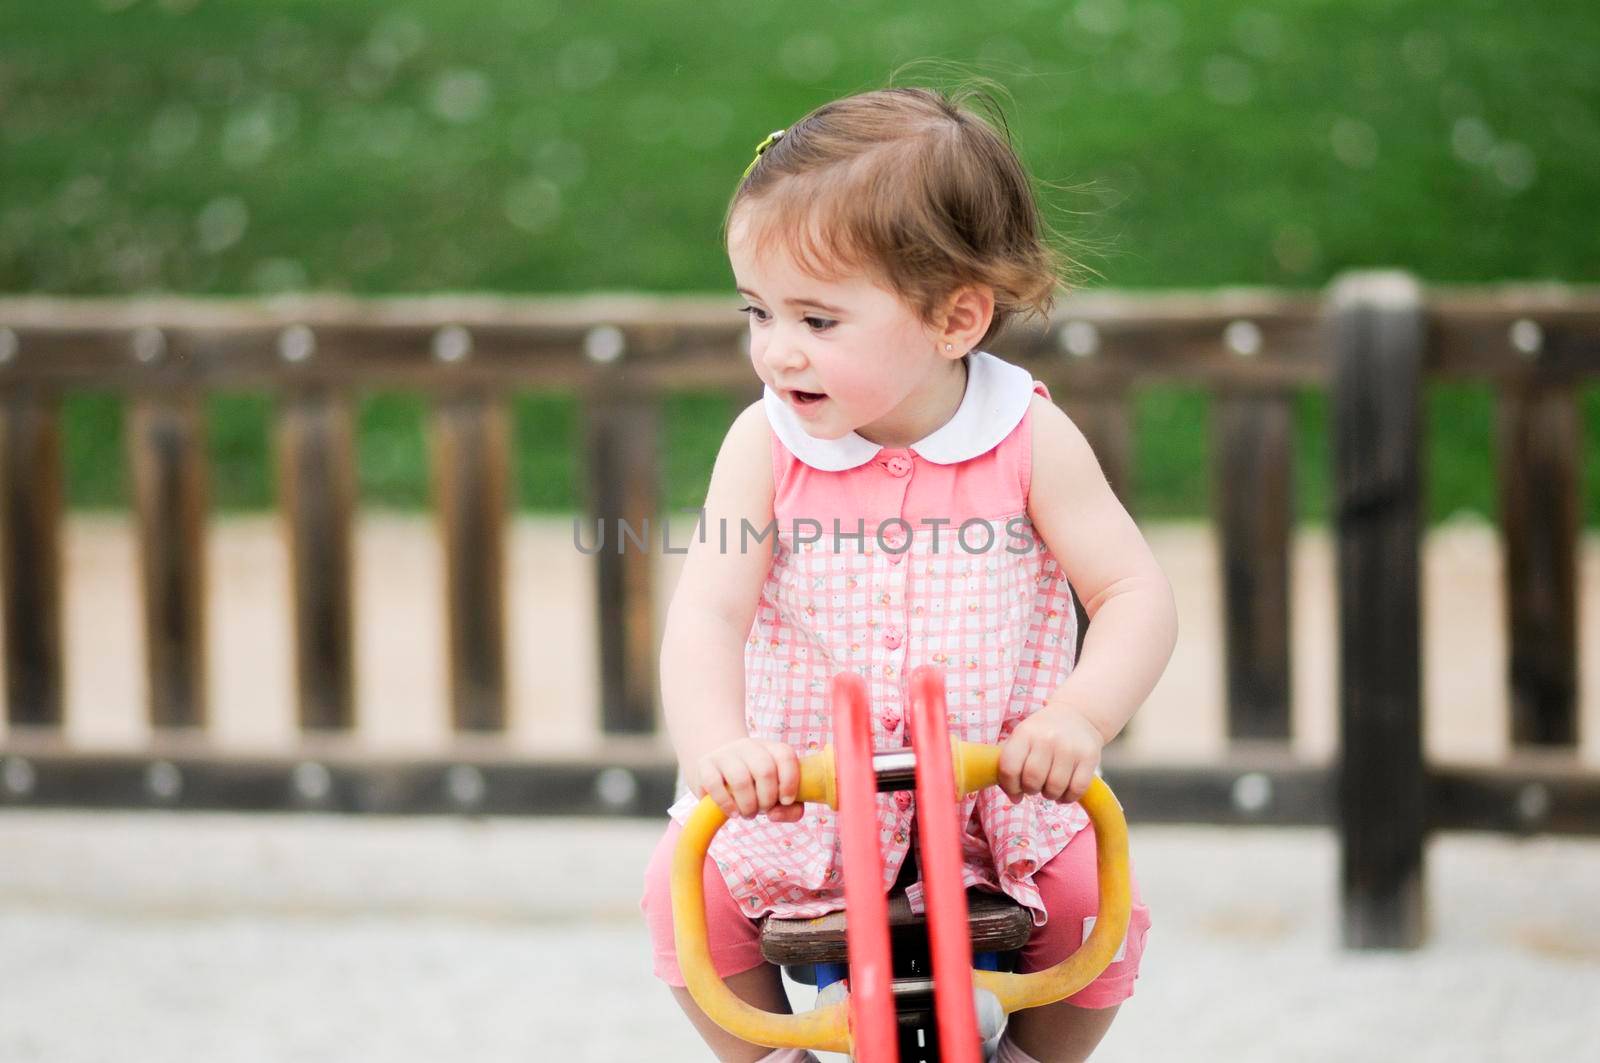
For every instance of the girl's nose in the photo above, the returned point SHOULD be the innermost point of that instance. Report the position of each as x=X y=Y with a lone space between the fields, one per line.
x=782 y=356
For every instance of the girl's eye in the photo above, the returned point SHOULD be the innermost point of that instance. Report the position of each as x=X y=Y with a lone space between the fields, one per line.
x=820 y=324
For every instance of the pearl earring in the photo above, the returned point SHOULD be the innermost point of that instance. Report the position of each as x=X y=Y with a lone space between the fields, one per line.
x=949 y=347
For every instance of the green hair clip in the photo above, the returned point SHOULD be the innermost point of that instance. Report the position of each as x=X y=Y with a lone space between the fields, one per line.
x=772 y=138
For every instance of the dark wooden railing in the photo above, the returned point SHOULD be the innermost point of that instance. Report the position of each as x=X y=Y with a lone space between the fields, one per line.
x=1372 y=342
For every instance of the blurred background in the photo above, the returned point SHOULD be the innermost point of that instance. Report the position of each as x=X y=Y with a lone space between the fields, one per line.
x=245 y=149
x=255 y=152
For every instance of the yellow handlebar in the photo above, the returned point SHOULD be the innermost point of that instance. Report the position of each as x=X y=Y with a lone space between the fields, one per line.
x=977 y=766
x=828 y=1028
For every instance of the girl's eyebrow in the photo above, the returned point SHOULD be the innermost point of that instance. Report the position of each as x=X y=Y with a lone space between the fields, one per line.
x=796 y=302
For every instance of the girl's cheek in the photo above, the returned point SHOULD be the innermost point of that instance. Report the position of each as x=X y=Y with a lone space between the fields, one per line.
x=869 y=391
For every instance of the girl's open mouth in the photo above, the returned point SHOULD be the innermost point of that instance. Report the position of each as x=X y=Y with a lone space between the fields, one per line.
x=806 y=398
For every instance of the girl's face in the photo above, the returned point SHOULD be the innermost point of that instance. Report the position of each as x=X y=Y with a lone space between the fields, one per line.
x=845 y=355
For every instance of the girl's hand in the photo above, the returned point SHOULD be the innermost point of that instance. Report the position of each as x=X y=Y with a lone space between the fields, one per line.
x=1054 y=752
x=750 y=776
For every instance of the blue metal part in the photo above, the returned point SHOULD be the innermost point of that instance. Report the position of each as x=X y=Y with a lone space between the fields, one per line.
x=822 y=975
x=829 y=973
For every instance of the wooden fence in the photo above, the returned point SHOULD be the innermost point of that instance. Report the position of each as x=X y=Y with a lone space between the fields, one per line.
x=1372 y=340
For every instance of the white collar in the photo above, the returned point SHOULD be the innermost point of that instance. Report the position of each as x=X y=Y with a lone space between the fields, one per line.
x=997 y=397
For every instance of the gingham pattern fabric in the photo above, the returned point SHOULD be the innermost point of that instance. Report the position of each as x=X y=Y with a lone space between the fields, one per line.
x=990 y=607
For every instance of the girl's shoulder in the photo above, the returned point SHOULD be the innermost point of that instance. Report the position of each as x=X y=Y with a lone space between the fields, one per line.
x=742 y=476
x=749 y=439
x=1027 y=436
x=751 y=424
x=1062 y=463
x=1049 y=427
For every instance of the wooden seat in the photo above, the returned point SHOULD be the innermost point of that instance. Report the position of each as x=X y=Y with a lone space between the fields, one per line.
x=999 y=924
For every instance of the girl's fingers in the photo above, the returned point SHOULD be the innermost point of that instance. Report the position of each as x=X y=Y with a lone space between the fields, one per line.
x=764 y=770
x=1062 y=772
x=719 y=793
x=741 y=785
x=1082 y=779
x=788 y=775
x=1036 y=768
x=785 y=813
x=1009 y=770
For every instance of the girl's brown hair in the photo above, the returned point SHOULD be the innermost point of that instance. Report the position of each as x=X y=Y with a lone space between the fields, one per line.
x=912 y=187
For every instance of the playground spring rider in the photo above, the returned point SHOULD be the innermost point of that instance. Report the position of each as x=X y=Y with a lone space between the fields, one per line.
x=891 y=1010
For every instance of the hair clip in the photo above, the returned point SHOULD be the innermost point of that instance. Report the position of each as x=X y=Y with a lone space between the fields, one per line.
x=772 y=138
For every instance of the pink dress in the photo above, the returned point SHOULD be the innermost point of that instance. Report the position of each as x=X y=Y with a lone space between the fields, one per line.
x=887 y=559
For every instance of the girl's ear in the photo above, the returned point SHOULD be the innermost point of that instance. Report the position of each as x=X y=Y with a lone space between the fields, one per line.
x=966 y=318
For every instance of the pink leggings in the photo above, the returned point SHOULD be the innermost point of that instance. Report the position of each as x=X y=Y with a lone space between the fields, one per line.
x=1068 y=884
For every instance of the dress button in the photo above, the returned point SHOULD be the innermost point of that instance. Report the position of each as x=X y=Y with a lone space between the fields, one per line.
x=891 y=639
x=898 y=466
x=902 y=799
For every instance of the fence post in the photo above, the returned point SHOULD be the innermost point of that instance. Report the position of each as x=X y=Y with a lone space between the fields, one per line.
x=1378 y=331
x=1539 y=437
x=166 y=447
x=471 y=445
x=317 y=491
x=30 y=558
x=1253 y=439
x=622 y=441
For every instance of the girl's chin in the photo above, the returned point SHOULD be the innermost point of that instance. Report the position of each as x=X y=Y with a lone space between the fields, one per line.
x=826 y=427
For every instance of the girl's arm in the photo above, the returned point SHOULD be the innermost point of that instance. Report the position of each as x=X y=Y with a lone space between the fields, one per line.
x=702 y=648
x=1125 y=593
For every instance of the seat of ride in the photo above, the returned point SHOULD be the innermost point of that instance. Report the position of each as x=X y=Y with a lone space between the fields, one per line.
x=997 y=924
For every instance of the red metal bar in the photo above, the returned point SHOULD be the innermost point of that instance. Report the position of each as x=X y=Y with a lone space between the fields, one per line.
x=939 y=849
x=873 y=1027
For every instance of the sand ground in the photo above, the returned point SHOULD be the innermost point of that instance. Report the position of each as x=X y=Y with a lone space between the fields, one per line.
x=319 y=939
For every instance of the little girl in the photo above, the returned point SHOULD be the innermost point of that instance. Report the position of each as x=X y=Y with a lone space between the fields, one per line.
x=901 y=496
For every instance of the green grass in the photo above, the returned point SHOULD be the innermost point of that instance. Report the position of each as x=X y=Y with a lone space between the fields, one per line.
x=237 y=431
x=391 y=450
x=238 y=147
x=1172 y=464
